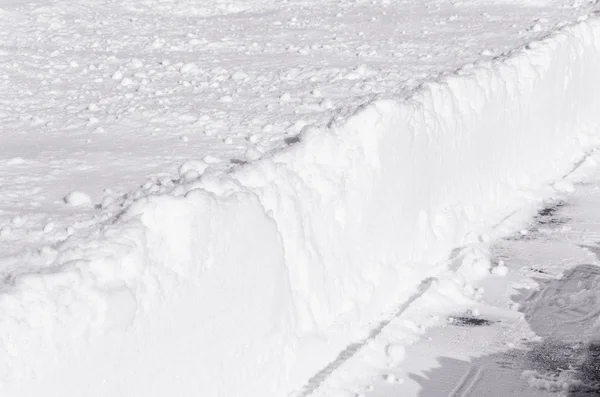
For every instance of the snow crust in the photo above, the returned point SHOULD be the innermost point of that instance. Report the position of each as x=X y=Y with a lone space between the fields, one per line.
x=251 y=282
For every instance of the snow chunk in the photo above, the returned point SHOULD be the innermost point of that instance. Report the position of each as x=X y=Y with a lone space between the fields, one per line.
x=210 y=159
x=48 y=227
x=564 y=186
x=239 y=76
x=77 y=199
x=135 y=63
x=189 y=67
x=396 y=353
x=500 y=269
x=391 y=378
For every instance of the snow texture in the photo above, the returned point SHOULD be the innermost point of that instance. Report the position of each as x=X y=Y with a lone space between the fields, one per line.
x=270 y=270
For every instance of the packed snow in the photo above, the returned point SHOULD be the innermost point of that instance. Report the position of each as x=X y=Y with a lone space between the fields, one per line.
x=302 y=172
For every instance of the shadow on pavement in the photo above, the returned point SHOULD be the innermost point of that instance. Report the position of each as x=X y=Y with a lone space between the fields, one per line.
x=566 y=361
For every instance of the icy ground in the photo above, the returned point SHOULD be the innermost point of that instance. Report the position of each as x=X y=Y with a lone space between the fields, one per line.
x=109 y=98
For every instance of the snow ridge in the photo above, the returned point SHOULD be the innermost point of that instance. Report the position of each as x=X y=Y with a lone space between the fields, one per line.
x=268 y=272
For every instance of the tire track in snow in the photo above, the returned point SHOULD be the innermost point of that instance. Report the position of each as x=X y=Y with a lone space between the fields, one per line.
x=467 y=382
x=315 y=382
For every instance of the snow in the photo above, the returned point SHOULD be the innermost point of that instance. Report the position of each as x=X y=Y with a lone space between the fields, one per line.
x=77 y=198
x=304 y=172
x=500 y=269
x=532 y=332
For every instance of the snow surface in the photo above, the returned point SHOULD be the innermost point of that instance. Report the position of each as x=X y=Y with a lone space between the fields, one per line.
x=104 y=96
x=530 y=333
x=219 y=277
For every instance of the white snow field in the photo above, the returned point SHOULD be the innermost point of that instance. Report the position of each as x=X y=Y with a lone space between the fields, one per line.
x=305 y=169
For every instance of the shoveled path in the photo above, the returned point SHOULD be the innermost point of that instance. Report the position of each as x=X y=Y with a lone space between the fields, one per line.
x=536 y=330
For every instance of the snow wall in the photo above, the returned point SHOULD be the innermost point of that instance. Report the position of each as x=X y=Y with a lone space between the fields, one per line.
x=250 y=283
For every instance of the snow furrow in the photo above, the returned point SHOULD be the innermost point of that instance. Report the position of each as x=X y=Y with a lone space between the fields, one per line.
x=253 y=281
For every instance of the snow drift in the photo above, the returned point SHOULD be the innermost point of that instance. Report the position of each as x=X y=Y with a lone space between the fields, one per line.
x=248 y=283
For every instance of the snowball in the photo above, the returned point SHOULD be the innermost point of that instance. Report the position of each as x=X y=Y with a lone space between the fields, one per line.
x=5 y=231
x=77 y=198
x=48 y=227
x=395 y=352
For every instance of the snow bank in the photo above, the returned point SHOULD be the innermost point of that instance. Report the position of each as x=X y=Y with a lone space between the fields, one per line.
x=251 y=282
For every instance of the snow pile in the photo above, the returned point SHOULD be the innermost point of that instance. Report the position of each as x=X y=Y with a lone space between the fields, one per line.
x=251 y=282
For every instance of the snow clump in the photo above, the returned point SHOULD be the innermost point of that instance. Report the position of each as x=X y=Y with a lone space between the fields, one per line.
x=77 y=199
